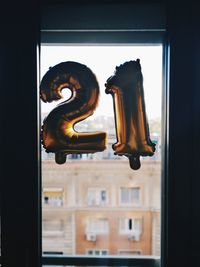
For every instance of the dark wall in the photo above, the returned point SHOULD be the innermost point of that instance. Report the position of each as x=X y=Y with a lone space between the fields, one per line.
x=183 y=35
x=19 y=135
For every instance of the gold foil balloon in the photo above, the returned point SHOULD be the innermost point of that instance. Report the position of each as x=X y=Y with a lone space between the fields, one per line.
x=126 y=88
x=58 y=134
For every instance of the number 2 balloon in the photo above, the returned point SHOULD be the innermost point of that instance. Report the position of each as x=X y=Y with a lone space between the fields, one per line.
x=58 y=133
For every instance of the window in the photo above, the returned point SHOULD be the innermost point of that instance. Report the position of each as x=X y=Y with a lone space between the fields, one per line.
x=53 y=197
x=97 y=252
x=97 y=226
x=131 y=227
x=130 y=196
x=103 y=180
x=96 y=197
x=53 y=227
x=130 y=252
x=102 y=189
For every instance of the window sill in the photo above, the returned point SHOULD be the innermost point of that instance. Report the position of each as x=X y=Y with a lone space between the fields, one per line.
x=82 y=260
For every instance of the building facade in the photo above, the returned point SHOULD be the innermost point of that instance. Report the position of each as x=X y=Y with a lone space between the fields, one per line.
x=101 y=207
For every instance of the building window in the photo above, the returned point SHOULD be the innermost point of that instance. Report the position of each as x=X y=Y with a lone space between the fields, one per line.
x=130 y=196
x=53 y=228
x=131 y=227
x=130 y=252
x=96 y=197
x=97 y=226
x=97 y=252
x=53 y=197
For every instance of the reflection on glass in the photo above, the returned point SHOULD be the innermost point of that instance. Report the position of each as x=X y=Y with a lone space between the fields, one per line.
x=94 y=204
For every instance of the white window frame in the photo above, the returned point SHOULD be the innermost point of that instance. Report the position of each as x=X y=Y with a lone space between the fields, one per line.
x=98 y=226
x=96 y=197
x=53 y=201
x=124 y=226
x=131 y=252
x=130 y=202
x=50 y=228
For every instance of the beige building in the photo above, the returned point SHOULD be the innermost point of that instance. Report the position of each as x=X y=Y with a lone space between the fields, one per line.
x=101 y=206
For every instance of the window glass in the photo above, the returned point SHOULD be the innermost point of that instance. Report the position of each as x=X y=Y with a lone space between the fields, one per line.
x=128 y=225
x=53 y=197
x=130 y=195
x=97 y=252
x=96 y=197
x=95 y=203
x=94 y=225
x=53 y=227
x=129 y=252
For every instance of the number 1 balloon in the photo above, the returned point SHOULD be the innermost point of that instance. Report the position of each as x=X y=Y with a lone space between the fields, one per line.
x=126 y=88
x=58 y=133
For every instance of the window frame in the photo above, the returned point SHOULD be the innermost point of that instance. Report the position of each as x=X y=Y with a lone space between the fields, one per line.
x=126 y=230
x=130 y=203
x=92 y=222
x=51 y=230
x=52 y=204
x=134 y=251
x=57 y=35
x=97 y=191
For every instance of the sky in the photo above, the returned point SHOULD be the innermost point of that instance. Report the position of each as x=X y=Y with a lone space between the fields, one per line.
x=102 y=60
